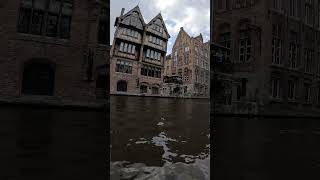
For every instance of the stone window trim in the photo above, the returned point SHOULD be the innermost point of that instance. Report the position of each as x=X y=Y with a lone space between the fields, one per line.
x=45 y=18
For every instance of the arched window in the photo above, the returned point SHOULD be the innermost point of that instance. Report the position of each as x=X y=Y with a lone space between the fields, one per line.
x=38 y=79
x=143 y=89
x=122 y=86
x=102 y=87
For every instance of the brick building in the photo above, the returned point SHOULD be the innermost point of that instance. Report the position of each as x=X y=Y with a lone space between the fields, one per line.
x=275 y=48
x=54 y=51
x=138 y=54
x=190 y=60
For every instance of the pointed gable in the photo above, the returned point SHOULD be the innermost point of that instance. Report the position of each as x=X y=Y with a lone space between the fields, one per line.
x=134 y=18
x=157 y=22
x=199 y=38
x=182 y=33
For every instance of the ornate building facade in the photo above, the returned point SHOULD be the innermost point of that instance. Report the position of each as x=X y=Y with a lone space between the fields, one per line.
x=275 y=49
x=138 y=54
x=54 y=51
x=190 y=61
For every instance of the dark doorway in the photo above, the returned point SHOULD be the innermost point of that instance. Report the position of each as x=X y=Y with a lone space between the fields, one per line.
x=102 y=87
x=122 y=86
x=38 y=79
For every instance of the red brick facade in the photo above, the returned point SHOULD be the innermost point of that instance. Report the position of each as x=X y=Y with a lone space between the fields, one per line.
x=66 y=56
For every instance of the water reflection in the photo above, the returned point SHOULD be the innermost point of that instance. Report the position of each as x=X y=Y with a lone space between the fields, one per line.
x=155 y=131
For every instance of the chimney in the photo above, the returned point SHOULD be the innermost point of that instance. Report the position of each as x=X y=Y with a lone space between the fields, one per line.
x=122 y=11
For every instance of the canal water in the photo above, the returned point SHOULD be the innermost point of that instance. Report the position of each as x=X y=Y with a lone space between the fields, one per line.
x=266 y=148
x=156 y=131
x=52 y=143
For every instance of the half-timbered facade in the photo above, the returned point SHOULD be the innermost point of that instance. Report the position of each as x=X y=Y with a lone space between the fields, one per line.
x=138 y=54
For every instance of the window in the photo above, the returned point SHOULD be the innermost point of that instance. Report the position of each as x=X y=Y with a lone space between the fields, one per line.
x=155 y=90
x=38 y=79
x=275 y=88
x=277 y=4
x=307 y=92
x=309 y=12
x=157 y=28
x=130 y=32
x=121 y=47
x=244 y=47
x=151 y=71
x=124 y=67
x=186 y=59
x=133 y=50
x=148 y=52
x=186 y=75
x=308 y=60
x=103 y=31
x=318 y=14
x=33 y=14
x=153 y=55
x=276 y=45
x=292 y=90
x=59 y=15
x=143 y=89
x=293 y=51
x=127 y=48
x=244 y=87
x=293 y=8
x=122 y=86
x=318 y=95
x=243 y=3
x=225 y=40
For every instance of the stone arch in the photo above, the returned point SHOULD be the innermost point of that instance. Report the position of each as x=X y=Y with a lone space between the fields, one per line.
x=122 y=86
x=38 y=78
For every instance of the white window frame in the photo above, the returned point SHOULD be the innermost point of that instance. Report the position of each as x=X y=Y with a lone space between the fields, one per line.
x=121 y=47
x=133 y=50
x=148 y=53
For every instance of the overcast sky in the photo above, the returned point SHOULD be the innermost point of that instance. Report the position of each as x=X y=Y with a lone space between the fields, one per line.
x=192 y=15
